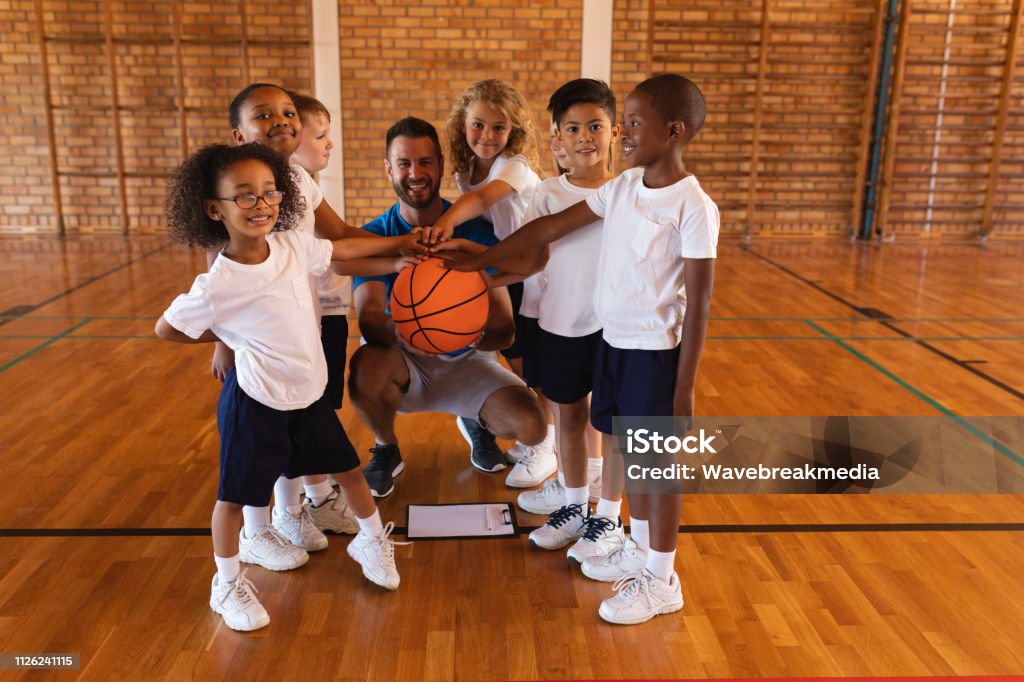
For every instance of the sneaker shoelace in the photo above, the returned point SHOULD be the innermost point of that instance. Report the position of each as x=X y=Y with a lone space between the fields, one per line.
x=306 y=522
x=560 y=517
x=632 y=586
x=596 y=526
x=244 y=589
x=629 y=550
x=386 y=544
x=551 y=487
x=273 y=536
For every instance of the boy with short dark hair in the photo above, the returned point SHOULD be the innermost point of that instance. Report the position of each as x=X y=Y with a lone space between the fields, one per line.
x=653 y=300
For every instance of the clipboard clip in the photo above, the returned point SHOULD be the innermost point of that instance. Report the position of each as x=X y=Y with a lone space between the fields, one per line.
x=506 y=517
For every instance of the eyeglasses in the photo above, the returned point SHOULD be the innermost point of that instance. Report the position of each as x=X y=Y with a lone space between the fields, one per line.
x=271 y=198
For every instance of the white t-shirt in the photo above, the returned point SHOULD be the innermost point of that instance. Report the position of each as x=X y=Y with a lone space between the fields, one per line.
x=333 y=290
x=640 y=299
x=265 y=314
x=507 y=215
x=563 y=299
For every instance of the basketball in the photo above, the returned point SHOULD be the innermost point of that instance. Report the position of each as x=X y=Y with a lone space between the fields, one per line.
x=438 y=310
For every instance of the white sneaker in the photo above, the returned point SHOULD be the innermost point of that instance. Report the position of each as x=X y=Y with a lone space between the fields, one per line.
x=551 y=497
x=620 y=562
x=564 y=525
x=376 y=554
x=299 y=529
x=335 y=515
x=237 y=603
x=642 y=596
x=270 y=550
x=602 y=536
x=538 y=463
x=517 y=452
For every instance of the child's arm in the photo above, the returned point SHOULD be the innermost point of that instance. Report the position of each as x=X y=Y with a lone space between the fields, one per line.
x=369 y=245
x=168 y=333
x=372 y=267
x=329 y=225
x=223 y=357
x=698 y=279
x=533 y=235
x=468 y=206
x=514 y=269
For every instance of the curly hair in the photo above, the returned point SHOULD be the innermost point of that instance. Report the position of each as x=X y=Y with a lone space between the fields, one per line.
x=504 y=99
x=195 y=181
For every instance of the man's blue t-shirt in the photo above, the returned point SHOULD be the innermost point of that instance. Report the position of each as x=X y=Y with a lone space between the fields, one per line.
x=391 y=224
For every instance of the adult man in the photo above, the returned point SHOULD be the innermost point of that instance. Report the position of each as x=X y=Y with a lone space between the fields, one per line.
x=388 y=376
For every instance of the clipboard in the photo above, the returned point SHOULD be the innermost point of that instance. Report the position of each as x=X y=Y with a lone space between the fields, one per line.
x=485 y=520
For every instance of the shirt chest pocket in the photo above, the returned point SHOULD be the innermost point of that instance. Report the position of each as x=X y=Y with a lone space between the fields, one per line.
x=653 y=241
x=303 y=292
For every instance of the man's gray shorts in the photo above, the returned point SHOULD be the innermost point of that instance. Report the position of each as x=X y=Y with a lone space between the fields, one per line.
x=458 y=385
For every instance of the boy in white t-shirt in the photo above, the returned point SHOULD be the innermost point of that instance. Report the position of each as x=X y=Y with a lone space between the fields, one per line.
x=653 y=300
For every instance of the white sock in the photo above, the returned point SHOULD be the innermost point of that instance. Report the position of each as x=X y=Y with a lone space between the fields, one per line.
x=319 y=492
x=610 y=509
x=577 y=496
x=228 y=568
x=371 y=524
x=549 y=440
x=640 y=531
x=561 y=478
x=661 y=564
x=255 y=519
x=594 y=465
x=288 y=494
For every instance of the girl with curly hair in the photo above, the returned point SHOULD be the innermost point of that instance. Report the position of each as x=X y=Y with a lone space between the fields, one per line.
x=273 y=415
x=492 y=144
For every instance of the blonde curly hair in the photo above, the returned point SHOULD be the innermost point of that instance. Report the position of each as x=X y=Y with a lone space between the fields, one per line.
x=504 y=99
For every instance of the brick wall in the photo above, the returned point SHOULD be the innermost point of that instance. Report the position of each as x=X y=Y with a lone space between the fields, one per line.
x=400 y=59
x=213 y=66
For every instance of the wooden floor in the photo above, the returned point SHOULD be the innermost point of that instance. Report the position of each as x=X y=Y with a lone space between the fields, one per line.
x=104 y=427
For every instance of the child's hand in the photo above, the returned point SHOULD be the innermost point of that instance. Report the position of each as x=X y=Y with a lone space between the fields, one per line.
x=682 y=405
x=411 y=245
x=457 y=260
x=403 y=262
x=223 y=361
x=436 y=235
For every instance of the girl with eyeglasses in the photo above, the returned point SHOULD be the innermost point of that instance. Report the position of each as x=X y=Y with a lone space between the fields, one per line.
x=273 y=415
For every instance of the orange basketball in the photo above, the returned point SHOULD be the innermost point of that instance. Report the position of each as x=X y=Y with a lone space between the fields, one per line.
x=438 y=310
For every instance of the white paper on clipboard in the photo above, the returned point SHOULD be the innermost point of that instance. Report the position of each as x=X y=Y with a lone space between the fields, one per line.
x=460 y=520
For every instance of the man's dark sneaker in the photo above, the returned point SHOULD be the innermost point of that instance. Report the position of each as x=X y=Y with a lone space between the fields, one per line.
x=485 y=454
x=383 y=467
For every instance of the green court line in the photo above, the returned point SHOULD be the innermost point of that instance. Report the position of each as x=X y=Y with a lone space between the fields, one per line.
x=966 y=425
x=50 y=341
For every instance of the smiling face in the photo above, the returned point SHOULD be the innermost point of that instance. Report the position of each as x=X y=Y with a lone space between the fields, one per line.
x=645 y=134
x=415 y=168
x=487 y=130
x=315 y=145
x=587 y=134
x=244 y=177
x=268 y=116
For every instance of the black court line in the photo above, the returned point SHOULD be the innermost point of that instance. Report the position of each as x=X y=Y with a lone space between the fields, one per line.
x=885 y=320
x=20 y=311
x=695 y=529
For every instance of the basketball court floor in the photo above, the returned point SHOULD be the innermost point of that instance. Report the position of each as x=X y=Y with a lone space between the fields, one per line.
x=109 y=466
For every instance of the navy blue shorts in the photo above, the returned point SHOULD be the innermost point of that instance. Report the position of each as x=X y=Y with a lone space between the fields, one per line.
x=334 y=338
x=515 y=292
x=527 y=338
x=259 y=443
x=567 y=365
x=632 y=383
